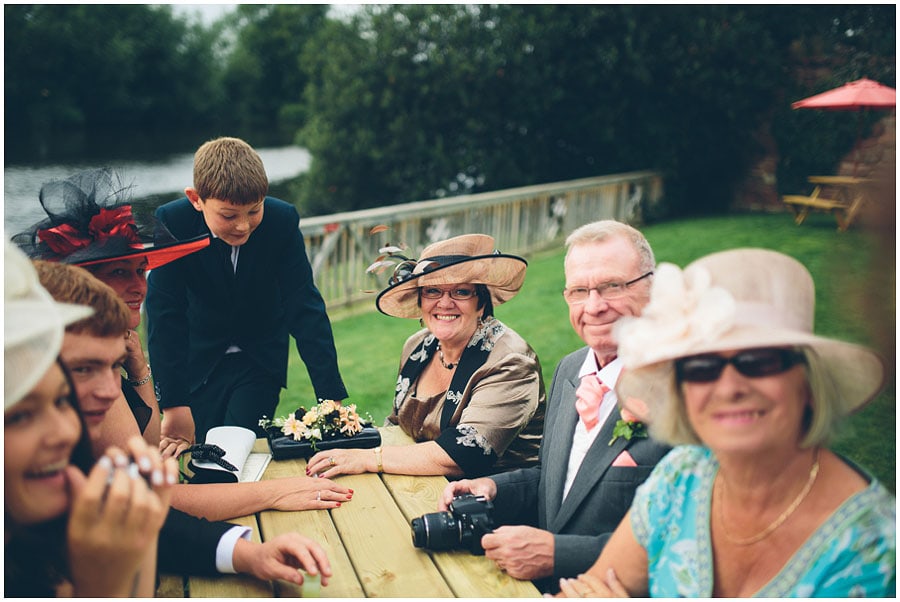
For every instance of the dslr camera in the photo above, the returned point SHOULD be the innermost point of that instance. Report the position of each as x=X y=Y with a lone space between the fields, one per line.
x=459 y=528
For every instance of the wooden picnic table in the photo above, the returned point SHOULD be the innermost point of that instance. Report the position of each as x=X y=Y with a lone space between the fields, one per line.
x=841 y=195
x=368 y=542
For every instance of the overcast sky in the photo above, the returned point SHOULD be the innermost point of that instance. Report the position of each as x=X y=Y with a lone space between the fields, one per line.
x=210 y=12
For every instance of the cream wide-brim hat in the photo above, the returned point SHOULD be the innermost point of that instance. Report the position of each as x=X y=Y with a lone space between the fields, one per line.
x=33 y=328
x=736 y=299
x=466 y=259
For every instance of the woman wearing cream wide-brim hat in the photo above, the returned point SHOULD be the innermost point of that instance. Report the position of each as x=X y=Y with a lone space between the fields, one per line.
x=751 y=503
x=470 y=390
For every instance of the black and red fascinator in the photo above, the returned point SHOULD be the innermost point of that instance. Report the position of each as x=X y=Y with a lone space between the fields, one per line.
x=91 y=219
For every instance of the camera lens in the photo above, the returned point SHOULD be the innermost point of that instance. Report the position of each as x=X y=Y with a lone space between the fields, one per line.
x=436 y=531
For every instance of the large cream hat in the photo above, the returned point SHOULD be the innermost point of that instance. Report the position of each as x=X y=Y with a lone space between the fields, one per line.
x=736 y=299
x=33 y=327
x=466 y=259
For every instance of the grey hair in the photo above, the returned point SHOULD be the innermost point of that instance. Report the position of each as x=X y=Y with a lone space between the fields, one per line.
x=605 y=229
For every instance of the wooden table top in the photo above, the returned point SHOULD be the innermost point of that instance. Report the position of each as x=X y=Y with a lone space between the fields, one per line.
x=369 y=545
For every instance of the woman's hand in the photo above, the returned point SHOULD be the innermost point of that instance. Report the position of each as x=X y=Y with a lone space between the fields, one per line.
x=176 y=431
x=588 y=586
x=332 y=463
x=115 y=517
x=306 y=493
x=280 y=557
x=135 y=362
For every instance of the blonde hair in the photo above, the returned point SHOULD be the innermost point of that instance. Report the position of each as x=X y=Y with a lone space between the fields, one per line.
x=72 y=284
x=671 y=425
x=602 y=230
x=230 y=170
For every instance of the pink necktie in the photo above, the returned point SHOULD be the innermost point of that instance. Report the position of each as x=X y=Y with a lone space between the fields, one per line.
x=588 y=397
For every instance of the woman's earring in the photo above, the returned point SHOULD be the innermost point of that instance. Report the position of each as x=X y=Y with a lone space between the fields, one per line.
x=421 y=322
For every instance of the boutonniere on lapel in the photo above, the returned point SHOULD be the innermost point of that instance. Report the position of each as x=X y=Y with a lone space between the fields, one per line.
x=628 y=426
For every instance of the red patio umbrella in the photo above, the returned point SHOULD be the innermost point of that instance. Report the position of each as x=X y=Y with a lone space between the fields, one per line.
x=859 y=95
x=862 y=94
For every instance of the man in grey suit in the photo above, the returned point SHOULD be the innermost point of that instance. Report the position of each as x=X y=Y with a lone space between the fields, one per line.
x=557 y=516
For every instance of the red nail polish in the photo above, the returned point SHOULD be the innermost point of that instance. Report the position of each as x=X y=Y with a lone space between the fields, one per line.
x=338 y=504
x=351 y=492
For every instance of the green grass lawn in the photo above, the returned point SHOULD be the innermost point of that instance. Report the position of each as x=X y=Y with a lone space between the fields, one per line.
x=855 y=301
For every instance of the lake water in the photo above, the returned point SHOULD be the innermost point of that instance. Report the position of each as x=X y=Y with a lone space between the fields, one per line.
x=168 y=175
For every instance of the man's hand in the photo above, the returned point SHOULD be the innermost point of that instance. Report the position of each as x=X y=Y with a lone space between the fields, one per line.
x=520 y=551
x=484 y=487
x=280 y=557
x=176 y=432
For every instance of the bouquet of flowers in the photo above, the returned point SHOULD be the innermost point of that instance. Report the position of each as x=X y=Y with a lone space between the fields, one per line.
x=324 y=426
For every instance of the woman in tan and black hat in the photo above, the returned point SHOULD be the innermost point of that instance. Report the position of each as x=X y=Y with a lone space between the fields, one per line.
x=752 y=502
x=470 y=389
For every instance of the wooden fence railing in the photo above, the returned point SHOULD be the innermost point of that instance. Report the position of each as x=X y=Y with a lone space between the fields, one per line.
x=521 y=220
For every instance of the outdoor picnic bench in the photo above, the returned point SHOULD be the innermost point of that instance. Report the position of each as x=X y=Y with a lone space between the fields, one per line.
x=845 y=203
x=368 y=542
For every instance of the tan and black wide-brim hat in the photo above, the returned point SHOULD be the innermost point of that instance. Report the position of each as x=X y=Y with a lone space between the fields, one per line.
x=736 y=299
x=466 y=259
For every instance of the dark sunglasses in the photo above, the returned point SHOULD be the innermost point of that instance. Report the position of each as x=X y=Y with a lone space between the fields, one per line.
x=754 y=363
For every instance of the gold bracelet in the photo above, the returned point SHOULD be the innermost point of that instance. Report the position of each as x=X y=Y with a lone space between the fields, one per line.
x=378 y=459
x=141 y=382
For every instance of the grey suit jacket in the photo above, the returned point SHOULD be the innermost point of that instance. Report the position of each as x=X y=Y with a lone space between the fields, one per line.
x=600 y=495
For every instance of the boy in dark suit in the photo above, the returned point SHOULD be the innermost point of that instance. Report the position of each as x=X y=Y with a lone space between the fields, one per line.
x=219 y=320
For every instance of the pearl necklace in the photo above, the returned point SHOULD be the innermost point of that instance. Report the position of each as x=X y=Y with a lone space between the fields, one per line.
x=441 y=357
x=813 y=472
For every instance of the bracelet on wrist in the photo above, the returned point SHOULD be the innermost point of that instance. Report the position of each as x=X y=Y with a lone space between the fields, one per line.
x=141 y=381
x=378 y=459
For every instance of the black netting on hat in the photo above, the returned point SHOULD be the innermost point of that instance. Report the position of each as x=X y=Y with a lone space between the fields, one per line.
x=90 y=217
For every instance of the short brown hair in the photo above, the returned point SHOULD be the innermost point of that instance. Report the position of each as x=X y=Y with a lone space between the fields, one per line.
x=228 y=169
x=72 y=284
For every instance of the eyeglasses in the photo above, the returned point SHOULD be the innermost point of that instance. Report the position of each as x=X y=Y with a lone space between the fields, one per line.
x=608 y=291
x=754 y=363
x=460 y=294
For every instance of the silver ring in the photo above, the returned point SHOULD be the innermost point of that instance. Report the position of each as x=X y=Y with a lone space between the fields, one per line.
x=319 y=496
x=331 y=461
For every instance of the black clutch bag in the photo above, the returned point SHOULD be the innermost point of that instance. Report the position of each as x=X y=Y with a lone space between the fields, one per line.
x=286 y=448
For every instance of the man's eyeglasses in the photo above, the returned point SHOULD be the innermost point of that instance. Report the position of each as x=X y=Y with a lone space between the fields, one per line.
x=754 y=363
x=609 y=291
x=460 y=294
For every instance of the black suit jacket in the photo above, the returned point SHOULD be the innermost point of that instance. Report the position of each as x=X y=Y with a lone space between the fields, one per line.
x=601 y=494
x=198 y=306
x=187 y=544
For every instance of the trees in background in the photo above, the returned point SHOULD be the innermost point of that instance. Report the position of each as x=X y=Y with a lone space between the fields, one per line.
x=264 y=74
x=106 y=66
x=406 y=102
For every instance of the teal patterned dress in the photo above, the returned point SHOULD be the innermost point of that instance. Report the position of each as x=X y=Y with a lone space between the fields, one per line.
x=853 y=554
